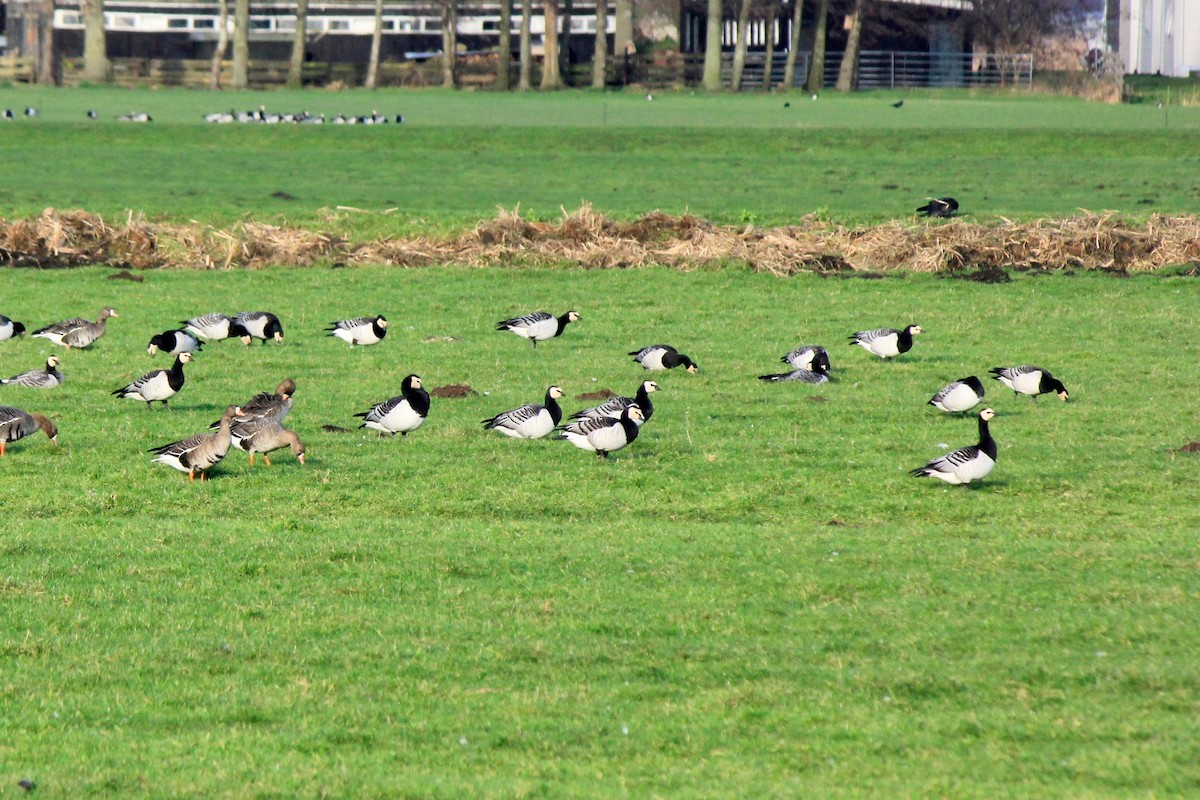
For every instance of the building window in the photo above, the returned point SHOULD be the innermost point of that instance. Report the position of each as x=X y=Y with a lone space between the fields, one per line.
x=177 y=22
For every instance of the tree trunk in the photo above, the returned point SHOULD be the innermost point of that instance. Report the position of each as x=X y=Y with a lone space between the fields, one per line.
x=218 y=56
x=600 y=59
x=241 y=44
x=96 y=68
x=623 y=37
x=816 y=70
x=789 y=68
x=295 y=76
x=449 y=44
x=46 y=61
x=849 y=67
x=712 y=48
x=504 y=53
x=551 y=77
x=769 y=55
x=739 y=47
x=525 y=77
x=564 y=41
x=372 y=77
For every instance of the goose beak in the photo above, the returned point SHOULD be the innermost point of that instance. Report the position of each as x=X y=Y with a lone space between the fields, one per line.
x=54 y=440
x=1063 y=396
x=693 y=369
x=300 y=458
x=152 y=349
x=245 y=340
x=279 y=338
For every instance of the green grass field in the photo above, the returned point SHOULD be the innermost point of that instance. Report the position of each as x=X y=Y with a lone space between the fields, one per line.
x=754 y=599
x=732 y=159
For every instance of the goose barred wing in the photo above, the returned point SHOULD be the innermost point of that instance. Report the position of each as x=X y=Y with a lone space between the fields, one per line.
x=587 y=425
x=609 y=408
x=514 y=417
x=381 y=410
x=182 y=447
x=866 y=337
x=64 y=327
x=525 y=321
x=949 y=462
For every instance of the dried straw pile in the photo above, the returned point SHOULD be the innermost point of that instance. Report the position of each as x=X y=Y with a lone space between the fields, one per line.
x=590 y=240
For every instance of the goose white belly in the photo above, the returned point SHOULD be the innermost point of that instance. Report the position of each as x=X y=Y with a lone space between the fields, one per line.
x=959 y=398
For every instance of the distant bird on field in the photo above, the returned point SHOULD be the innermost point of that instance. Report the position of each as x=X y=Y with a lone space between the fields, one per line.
x=886 y=342
x=967 y=463
x=159 y=385
x=76 y=332
x=898 y=104
x=538 y=326
x=360 y=331
x=199 y=452
x=259 y=325
x=135 y=116
x=819 y=374
x=8 y=113
x=10 y=329
x=1030 y=380
x=530 y=421
x=214 y=326
x=658 y=357
x=961 y=395
x=939 y=207
x=174 y=342
x=16 y=424
x=46 y=378
x=92 y=114
x=30 y=111
x=614 y=406
x=604 y=435
x=402 y=414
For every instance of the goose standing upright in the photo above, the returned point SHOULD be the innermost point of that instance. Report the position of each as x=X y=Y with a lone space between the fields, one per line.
x=1030 y=380
x=259 y=325
x=538 y=326
x=401 y=414
x=967 y=463
x=612 y=407
x=361 y=331
x=10 y=329
x=76 y=332
x=16 y=424
x=659 y=357
x=961 y=395
x=46 y=378
x=530 y=421
x=200 y=451
x=174 y=342
x=886 y=342
x=161 y=384
x=604 y=435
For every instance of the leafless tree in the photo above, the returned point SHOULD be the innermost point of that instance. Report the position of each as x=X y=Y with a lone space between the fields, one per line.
x=96 y=67
x=847 y=72
x=372 y=77
x=241 y=44
x=449 y=43
x=295 y=76
x=769 y=54
x=504 y=51
x=712 y=47
x=564 y=41
x=600 y=59
x=789 y=67
x=551 y=77
x=1015 y=26
x=218 y=56
x=525 y=78
x=739 y=47
x=816 y=69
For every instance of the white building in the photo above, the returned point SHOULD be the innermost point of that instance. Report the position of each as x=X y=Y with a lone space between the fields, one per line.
x=1159 y=36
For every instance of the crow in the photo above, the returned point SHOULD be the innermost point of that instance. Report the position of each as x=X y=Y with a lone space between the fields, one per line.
x=939 y=207
x=897 y=104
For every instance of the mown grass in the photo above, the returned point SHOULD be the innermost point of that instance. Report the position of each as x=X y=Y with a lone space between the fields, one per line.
x=752 y=599
x=460 y=156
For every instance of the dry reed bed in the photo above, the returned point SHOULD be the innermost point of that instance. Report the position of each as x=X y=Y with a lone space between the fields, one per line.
x=591 y=240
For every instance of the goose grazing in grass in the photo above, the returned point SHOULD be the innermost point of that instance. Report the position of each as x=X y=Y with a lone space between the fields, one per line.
x=811 y=357
x=961 y=395
x=967 y=463
x=538 y=326
x=46 y=378
x=161 y=384
x=403 y=413
x=10 y=329
x=886 y=342
x=76 y=332
x=199 y=452
x=214 y=326
x=361 y=331
x=174 y=342
x=268 y=405
x=939 y=207
x=16 y=424
x=530 y=421
x=817 y=375
x=604 y=435
x=1030 y=380
x=614 y=406
x=259 y=325
x=658 y=357
x=264 y=435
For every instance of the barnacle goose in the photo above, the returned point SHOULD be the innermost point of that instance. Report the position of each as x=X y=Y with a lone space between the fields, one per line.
x=1030 y=380
x=530 y=421
x=967 y=463
x=538 y=326
x=886 y=342
x=615 y=405
x=404 y=413
x=361 y=331
x=604 y=435
x=161 y=384
x=174 y=342
x=259 y=325
x=214 y=326
x=663 y=356
x=939 y=207
x=10 y=329
x=46 y=378
x=961 y=395
x=810 y=357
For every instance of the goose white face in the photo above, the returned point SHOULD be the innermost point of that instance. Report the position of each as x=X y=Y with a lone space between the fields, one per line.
x=1063 y=395
x=416 y=382
x=572 y=316
x=556 y=392
x=650 y=386
x=986 y=414
x=383 y=323
x=916 y=329
x=185 y=357
x=54 y=362
x=635 y=412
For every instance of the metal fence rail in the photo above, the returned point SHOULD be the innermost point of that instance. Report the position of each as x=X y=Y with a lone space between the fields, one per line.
x=890 y=69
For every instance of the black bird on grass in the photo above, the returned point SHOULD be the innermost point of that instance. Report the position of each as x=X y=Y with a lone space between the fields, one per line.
x=939 y=207
x=897 y=104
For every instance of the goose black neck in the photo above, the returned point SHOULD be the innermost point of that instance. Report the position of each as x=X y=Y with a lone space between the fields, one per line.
x=643 y=400
x=904 y=341
x=554 y=408
x=418 y=399
x=986 y=443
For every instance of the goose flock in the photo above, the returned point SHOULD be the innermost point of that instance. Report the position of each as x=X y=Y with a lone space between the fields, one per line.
x=255 y=426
